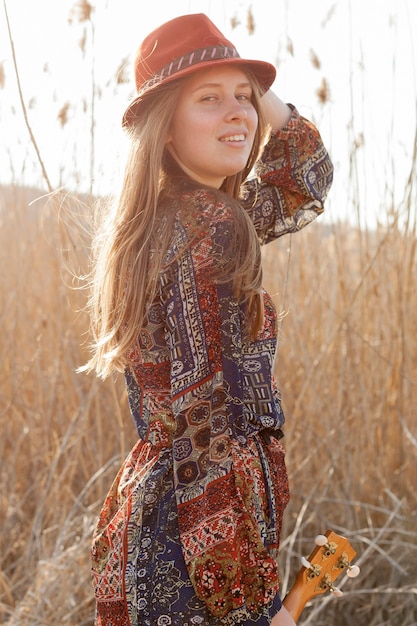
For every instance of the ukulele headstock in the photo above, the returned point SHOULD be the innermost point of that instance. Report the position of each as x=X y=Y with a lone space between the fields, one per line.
x=331 y=558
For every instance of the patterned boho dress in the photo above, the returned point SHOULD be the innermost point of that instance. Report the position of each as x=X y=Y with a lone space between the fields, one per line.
x=189 y=531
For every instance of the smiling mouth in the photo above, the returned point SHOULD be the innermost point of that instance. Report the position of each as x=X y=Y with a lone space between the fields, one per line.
x=240 y=137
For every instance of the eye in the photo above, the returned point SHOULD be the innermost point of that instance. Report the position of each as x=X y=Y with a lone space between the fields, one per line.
x=244 y=97
x=209 y=98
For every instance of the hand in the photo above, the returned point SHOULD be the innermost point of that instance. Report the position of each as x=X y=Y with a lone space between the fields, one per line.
x=282 y=618
x=276 y=112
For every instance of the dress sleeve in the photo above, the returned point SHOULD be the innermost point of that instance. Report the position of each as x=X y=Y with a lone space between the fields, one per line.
x=228 y=565
x=291 y=182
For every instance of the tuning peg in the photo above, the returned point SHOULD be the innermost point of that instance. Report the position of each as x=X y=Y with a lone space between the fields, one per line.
x=320 y=540
x=336 y=592
x=305 y=563
x=353 y=571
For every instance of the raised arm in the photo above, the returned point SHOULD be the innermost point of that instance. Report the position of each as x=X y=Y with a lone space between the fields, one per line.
x=276 y=112
x=293 y=175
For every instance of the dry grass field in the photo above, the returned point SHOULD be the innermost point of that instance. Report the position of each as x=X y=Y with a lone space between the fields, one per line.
x=347 y=368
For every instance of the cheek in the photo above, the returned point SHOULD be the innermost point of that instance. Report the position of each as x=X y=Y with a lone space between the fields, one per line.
x=253 y=119
x=188 y=134
x=180 y=134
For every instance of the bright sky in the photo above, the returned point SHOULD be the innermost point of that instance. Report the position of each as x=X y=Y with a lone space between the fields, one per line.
x=365 y=51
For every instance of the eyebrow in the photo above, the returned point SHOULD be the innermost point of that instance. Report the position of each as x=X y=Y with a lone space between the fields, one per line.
x=214 y=84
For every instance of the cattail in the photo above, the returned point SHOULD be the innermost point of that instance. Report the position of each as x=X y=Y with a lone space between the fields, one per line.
x=315 y=61
x=81 y=12
x=250 y=22
x=63 y=114
x=234 y=22
x=323 y=92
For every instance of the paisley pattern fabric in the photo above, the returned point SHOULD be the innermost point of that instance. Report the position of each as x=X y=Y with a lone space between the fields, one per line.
x=190 y=529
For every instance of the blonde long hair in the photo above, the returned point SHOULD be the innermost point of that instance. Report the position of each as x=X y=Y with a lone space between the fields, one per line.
x=123 y=280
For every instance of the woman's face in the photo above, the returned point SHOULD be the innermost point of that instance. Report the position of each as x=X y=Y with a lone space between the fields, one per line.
x=214 y=125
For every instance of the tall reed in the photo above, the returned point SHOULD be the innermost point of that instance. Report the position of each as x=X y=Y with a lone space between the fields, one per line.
x=347 y=370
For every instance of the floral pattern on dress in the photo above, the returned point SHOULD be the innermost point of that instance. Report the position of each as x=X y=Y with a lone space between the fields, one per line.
x=190 y=530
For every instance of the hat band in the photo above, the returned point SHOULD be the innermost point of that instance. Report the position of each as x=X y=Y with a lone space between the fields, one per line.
x=203 y=55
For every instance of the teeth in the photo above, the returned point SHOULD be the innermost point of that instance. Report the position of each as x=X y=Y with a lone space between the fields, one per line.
x=234 y=138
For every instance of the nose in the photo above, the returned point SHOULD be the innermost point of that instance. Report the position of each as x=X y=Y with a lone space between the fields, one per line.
x=236 y=110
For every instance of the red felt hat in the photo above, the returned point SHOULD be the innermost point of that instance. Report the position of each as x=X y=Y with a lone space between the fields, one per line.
x=180 y=47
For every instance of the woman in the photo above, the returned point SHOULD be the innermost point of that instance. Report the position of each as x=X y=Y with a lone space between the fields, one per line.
x=190 y=529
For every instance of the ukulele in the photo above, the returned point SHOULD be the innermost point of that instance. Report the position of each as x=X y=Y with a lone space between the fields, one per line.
x=330 y=558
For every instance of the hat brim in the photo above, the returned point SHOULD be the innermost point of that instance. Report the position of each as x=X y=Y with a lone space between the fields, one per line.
x=264 y=73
